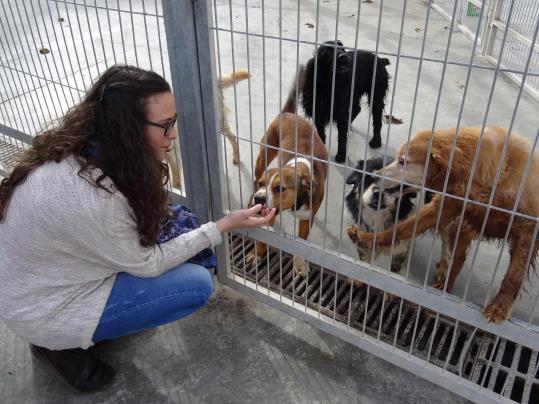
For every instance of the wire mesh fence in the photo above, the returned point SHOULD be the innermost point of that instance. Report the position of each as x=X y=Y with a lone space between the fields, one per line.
x=438 y=80
x=52 y=50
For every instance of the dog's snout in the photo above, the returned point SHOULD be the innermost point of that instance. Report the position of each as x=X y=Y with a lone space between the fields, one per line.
x=258 y=199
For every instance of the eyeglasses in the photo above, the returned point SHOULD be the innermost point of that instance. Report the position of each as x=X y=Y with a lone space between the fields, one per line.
x=166 y=126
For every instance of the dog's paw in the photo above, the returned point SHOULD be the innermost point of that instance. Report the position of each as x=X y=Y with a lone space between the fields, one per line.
x=439 y=284
x=365 y=240
x=498 y=309
x=251 y=258
x=301 y=267
x=375 y=142
x=340 y=158
x=390 y=298
x=353 y=233
x=235 y=160
x=355 y=282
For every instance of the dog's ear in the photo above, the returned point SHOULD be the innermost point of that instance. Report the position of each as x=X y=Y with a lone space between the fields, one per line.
x=354 y=178
x=440 y=158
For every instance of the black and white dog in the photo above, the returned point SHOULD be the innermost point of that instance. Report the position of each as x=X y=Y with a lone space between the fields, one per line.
x=375 y=210
x=364 y=72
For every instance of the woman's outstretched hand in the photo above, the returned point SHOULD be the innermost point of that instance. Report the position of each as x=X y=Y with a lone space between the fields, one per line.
x=245 y=219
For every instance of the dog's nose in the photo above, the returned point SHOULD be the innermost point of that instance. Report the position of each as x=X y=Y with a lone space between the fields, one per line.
x=259 y=199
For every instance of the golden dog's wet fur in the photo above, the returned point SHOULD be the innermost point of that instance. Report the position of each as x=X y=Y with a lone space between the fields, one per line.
x=522 y=252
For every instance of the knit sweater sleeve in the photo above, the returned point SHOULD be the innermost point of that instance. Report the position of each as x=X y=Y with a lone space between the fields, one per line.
x=123 y=250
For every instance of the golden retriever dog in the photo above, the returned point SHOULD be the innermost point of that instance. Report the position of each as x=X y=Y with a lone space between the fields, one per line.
x=296 y=182
x=222 y=83
x=521 y=250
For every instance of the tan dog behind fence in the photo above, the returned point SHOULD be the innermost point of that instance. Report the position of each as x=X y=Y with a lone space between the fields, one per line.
x=286 y=177
x=174 y=157
x=523 y=253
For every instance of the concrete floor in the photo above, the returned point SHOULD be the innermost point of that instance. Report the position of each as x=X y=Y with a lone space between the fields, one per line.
x=255 y=105
x=234 y=350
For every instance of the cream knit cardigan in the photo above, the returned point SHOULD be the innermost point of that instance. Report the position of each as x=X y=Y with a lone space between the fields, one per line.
x=61 y=245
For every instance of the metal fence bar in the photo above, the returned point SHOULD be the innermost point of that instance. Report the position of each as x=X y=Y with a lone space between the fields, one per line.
x=58 y=109
x=387 y=53
x=28 y=86
x=514 y=330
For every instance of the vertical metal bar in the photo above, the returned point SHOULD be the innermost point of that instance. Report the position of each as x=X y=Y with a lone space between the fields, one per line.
x=59 y=52
x=15 y=97
x=133 y=32
x=190 y=54
x=495 y=9
x=121 y=30
x=92 y=37
x=502 y=158
x=158 y=24
x=221 y=111
x=476 y=156
x=450 y=163
x=235 y=97
x=46 y=59
x=110 y=31
x=66 y=47
x=349 y=125
x=101 y=33
x=388 y=132
x=250 y=102
x=81 y=38
x=414 y=332
x=146 y=32
x=14 y=72
x=333 y=78
x=50 y=114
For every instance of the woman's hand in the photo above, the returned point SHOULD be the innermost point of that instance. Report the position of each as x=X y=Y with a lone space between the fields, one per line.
x=244 y=219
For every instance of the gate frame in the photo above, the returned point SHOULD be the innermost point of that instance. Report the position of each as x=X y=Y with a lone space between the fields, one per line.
x=192 y=65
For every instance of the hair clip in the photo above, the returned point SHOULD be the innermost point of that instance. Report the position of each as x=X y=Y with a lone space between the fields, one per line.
x=101 y=92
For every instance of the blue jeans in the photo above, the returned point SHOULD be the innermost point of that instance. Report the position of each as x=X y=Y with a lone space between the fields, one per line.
x=137 y=304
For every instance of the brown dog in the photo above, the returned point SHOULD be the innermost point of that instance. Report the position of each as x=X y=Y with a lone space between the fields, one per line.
x=490 y=153
x=297 y=184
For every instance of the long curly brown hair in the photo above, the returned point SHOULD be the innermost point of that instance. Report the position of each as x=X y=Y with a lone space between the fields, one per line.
x=106 y=131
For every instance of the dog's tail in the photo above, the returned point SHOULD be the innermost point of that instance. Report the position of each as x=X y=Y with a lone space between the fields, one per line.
x=233 y=78
x=291 y=104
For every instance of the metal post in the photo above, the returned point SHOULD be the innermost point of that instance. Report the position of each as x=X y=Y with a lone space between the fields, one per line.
x=488 y=36
x=189 y=49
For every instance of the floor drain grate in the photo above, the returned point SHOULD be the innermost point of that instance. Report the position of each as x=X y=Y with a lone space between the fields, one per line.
x=499 y=365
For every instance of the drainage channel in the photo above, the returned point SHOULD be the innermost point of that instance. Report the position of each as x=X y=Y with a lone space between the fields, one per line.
x=499 y=365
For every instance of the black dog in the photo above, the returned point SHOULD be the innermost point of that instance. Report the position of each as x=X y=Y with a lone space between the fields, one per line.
x=365 y=64
x=374 y=209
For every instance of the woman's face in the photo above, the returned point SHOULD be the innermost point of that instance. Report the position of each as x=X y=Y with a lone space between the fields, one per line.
x=160 y=109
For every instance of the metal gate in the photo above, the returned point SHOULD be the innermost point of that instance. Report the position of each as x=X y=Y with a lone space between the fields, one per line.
x=439 y=78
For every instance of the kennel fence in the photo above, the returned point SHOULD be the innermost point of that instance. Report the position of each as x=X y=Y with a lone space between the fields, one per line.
x=52 y=49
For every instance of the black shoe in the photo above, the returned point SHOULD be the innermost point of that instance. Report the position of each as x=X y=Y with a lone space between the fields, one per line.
x=79 y=368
